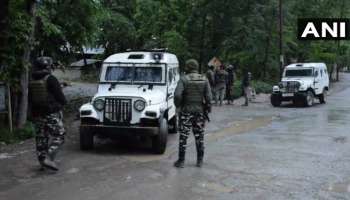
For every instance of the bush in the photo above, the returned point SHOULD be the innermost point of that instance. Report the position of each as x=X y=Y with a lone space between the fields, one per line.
x=237 y=89
x=262 y=87
x=259 y=86
x=17 y=135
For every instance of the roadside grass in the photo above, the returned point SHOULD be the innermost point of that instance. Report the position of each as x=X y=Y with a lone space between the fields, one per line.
x=17 y=135
x=260 y=87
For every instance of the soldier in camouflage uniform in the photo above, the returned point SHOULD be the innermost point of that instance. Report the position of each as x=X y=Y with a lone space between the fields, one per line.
x=192 y=97
x=47 y=100
x=220 y=84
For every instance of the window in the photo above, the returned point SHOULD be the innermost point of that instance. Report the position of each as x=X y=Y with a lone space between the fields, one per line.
x=148 y=74
x=123 y=74
x=136 y=56
x=134 y=74
x=298 y=72
x=321 y=73
x=316 y=73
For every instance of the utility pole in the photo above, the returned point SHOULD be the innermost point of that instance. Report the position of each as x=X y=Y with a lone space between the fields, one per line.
x=281 y=39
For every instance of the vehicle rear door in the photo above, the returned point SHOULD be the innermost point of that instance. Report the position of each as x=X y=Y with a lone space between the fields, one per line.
x=318 y=77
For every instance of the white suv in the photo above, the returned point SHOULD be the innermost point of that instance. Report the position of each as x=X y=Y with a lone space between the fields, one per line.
x=302 y=83
x=135 y=97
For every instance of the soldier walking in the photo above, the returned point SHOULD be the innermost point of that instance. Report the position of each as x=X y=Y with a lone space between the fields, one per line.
x=229 y=84
x=47 y=100
x=193 y=98
x=211 y=78
x=220 y=84
x=247 y=90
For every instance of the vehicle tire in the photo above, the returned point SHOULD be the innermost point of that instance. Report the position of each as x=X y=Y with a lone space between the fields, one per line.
x=86 y=139
x=159 y=141
x=323 y=96
x=276 y=100
x=174 y=125
x=309 y=99
x=297 y=102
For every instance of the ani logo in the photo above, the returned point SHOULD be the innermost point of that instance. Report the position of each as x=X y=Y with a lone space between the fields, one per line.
x=323 y=29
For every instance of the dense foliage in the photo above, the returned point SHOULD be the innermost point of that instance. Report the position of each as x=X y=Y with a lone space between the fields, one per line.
x=240 y=32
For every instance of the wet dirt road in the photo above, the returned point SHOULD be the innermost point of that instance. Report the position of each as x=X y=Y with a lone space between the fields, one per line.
x=257 y=152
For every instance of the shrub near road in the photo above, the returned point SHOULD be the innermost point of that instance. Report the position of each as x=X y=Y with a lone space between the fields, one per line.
x=259 y=86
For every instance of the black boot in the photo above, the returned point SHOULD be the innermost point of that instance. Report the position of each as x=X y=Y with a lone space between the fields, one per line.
x=199 y=162
x=180 y=163
x=200 y=159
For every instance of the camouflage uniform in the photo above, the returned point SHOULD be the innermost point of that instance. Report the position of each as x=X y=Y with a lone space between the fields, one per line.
x=211 y=78
x=246 y=88
x=192 y=122
x=192 y=95
x=49 y=135
x=220 y=85
x=47 y=101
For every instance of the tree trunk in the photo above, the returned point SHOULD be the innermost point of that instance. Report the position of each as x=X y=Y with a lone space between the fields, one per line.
x=4 y=6
x=338 y=71
x=24 y=81
x=202 y=41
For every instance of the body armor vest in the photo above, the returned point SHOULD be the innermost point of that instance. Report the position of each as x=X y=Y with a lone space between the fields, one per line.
x=194 y=92
x=42 y=100
x=220 y=77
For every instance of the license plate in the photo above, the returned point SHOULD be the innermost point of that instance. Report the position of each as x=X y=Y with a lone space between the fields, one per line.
x=288 y=95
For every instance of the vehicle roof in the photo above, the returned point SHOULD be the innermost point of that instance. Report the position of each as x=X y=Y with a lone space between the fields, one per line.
x=306 y=65
x=147 y=57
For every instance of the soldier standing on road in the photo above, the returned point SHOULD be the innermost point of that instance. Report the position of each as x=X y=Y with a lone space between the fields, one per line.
x=47 y=101
x=230 y=81
x=246 y=87
x=220 y=84
x=192 y=97
x=211 y=78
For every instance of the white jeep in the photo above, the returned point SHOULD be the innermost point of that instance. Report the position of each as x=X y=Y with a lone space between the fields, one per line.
x=302 y=83
x=135 y=97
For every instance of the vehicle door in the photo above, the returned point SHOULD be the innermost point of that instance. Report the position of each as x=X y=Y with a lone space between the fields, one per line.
x=171 y=84
x=318 y=81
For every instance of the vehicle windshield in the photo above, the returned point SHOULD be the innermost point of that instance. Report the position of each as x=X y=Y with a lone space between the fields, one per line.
x=298 y=73
x=134 y=74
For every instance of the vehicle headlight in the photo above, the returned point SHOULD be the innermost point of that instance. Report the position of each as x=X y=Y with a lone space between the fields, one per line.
x=275 y=88
x=99 y=104
x=139 y=105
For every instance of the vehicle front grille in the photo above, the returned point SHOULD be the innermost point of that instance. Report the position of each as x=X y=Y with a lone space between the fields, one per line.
x=291 y=86
x=117 y=111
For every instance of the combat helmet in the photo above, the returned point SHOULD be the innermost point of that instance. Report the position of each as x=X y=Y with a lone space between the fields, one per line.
x=43 y=62
x=191 y=65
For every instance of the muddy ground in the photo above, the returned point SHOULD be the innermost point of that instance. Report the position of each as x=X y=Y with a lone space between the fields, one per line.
x=258 y=152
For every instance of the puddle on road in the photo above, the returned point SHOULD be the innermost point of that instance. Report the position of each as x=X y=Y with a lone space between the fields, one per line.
x=235 y=128
x=339 y=188
x=216 y=187
x=341 y=140
x=337 y=116
x=72 y=171
x=239 y=128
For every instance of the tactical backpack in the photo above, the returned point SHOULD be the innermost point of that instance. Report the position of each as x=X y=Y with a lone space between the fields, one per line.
x=39 y=94
x=194 y=91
